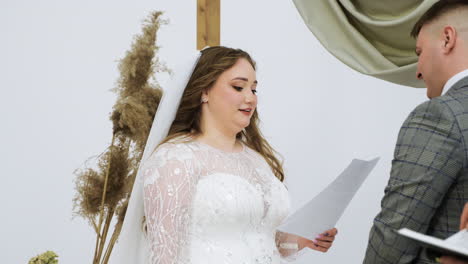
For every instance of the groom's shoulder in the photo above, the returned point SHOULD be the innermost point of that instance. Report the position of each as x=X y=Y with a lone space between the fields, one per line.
x=437 y=113
x=442 y=106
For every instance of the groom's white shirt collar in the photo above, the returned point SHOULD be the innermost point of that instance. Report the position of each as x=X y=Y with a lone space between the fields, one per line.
x=457 y=77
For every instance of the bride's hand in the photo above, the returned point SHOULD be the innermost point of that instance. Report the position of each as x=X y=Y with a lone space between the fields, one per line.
x=322 y=242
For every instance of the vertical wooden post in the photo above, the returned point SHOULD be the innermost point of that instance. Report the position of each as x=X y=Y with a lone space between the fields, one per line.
x=208 y=23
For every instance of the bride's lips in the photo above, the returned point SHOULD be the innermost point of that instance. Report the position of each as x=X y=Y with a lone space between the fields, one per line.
x=246 y=111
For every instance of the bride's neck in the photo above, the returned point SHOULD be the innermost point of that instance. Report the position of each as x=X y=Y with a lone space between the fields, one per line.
x=219 y=140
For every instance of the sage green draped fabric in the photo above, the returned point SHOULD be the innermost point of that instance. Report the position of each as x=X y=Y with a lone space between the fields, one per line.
x=370 y=36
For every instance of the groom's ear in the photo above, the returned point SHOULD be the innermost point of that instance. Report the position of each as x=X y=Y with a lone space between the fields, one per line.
x=450 y=39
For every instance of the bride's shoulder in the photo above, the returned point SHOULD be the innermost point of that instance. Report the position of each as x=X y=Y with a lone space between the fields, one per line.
x=176 y=147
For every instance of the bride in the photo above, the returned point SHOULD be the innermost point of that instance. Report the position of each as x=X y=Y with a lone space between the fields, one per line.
x=212 y=189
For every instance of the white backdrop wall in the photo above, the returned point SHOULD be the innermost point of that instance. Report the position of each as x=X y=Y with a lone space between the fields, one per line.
x=59 y=62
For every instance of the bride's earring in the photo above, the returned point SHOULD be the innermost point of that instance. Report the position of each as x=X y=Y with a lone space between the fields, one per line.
x=204 y=100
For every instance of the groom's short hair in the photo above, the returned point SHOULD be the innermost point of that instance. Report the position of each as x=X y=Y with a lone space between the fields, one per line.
x=439 y=9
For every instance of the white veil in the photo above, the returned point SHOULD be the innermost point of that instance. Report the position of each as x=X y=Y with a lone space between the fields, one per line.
x=132 y=245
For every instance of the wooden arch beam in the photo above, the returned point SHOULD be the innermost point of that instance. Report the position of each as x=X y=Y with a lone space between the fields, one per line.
x=208 y=23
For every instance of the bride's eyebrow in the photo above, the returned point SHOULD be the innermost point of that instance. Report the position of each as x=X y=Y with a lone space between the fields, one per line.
x=244 y=79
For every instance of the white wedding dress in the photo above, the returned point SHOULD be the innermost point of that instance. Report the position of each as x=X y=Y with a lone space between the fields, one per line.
x=207 y=206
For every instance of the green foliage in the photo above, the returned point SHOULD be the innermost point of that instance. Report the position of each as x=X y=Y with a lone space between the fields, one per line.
x=48 y=257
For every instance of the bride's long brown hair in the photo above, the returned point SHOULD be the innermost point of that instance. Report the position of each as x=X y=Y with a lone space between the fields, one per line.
x=212 y=63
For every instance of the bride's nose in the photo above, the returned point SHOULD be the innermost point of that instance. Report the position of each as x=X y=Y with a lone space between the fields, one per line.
x=249 y=97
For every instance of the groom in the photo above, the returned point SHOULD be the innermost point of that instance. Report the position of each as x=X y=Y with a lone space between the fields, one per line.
x=428 y=185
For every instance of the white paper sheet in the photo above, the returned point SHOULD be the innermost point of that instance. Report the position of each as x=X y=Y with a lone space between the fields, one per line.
x=456 y=244
x=459 y=239
x=324 y=210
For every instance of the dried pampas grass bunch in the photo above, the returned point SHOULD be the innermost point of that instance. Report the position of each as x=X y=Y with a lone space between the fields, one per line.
x=103 y=190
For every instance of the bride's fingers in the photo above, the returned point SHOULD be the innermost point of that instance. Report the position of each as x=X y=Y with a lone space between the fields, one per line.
x=330 y=232
x=325 y=238
x=324 y=241
x=317 y=247
x=323 y=244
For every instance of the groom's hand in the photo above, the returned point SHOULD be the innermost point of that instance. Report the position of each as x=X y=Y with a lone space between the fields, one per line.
x=464 y=218
x=324 y=241
x=451 y=260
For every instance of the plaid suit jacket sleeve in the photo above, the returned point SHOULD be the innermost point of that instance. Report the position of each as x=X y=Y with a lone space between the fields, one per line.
x=428 y=156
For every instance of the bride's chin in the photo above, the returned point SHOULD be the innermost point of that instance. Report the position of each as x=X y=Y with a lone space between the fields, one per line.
x=242 y=127
x=238 y=126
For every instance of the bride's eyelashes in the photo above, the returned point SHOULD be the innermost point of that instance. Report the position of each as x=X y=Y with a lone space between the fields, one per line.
x=239 y=89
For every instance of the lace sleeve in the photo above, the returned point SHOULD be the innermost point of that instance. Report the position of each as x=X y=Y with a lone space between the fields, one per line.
x=169 y=180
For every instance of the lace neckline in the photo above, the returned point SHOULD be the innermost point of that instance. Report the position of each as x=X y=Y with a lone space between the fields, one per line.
x=207 y=146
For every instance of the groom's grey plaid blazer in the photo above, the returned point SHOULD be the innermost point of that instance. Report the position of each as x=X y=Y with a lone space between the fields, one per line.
x=428 y=185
